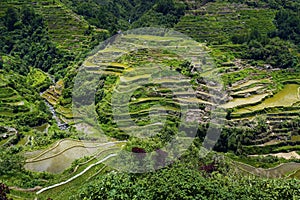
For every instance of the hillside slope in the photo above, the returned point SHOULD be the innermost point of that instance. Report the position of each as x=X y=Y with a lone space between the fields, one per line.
x=243 y=73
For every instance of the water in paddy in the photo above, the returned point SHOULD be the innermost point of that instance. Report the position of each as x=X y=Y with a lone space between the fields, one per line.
x=244 y=101
x=59 y=163
x=286 y=97
x=61 y=155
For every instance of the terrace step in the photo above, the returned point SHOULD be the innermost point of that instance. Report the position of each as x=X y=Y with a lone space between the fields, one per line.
x=284 y=113
x=266 y=141
x=280 y=118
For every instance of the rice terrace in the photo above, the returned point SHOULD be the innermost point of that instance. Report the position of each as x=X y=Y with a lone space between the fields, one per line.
x=160 y=99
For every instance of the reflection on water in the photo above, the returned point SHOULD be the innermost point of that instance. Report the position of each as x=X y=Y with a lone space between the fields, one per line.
x=286 y=97
x=243 y=101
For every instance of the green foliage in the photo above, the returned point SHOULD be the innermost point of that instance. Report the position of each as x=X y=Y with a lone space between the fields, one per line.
x=123 y=15
x=38 y=79
x=10 y=162
x=24 y=36
x=220 y=20
x=230 y=78
x=20 y=102
x=182 y=182
x=259 y=161
x=153 y=18
x=170 y=7
x=274 y=51
x=165 y=13
x=287 y=18
x=288 y=24
x=25 y=45
x=111 y=15
x=10 y=19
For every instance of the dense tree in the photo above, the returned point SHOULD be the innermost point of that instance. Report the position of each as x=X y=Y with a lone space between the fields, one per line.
x=10 y=18
x=165 y=6
x=182 y=182
x=24 y=36
x=10 y=162
x=111 y=15
x=276 y=52
x=288 y=24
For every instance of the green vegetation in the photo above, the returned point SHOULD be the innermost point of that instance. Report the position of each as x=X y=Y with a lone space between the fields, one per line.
x=247 y=63
x=183 y=182
x=20 y=102
x=123 y=15
x=273 y=51
x=287 y=22
x=18 y=32
x=219 y=21
x=10 y=162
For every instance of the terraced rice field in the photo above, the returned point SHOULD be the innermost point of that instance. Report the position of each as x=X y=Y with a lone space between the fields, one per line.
x=155 y=67
x=277 y=112
x=13 y=105
x=286 y=97
x=238 y=86
x=52 y=95
x=88 y=172
x=290 y=155
x=10 y=101
x=207 y=22
x=237 y=102
x=280 y=171
x=59 y=157
x=65 y=27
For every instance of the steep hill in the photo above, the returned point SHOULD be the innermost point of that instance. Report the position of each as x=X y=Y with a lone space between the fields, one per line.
x=69 y=31
x=235 y=69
